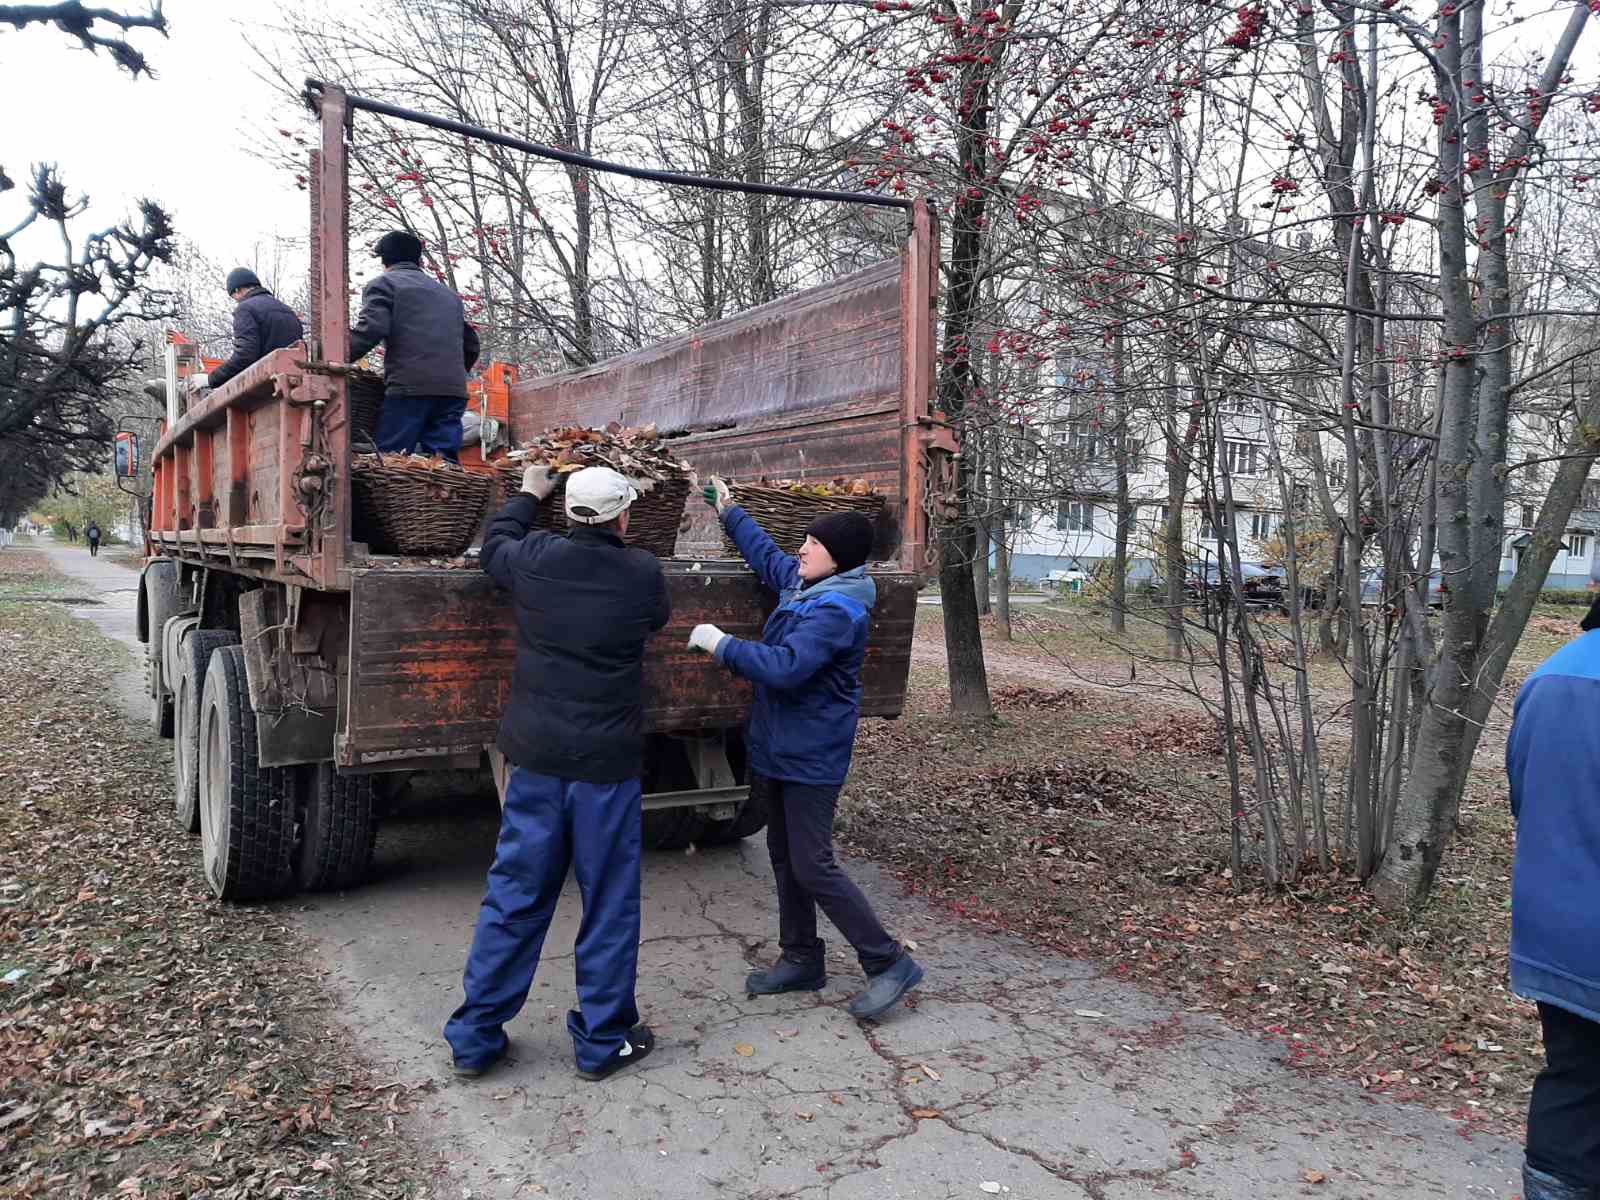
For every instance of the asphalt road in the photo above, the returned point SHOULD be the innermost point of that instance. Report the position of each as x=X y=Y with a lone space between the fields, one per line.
x=1017 y=1073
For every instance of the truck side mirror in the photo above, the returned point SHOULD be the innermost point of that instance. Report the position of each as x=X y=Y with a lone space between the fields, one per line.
x=125 y=454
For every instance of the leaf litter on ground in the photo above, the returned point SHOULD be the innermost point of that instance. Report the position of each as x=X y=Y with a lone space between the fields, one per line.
x=159 y=1044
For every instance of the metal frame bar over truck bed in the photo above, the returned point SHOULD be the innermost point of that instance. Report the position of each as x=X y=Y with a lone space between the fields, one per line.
x=351 y=664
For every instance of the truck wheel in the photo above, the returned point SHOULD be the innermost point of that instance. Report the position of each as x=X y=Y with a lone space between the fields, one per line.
x=338 y=831
x=246 y=813
x=751 y=819
x=161 y=603
x=196 y=657
x=671 y=828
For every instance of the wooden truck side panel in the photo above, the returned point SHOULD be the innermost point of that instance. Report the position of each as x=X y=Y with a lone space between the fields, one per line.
x=432 y=653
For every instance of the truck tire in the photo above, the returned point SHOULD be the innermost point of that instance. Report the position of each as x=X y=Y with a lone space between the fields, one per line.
x=161 y=603
x=751 y=819
x=195 y=652
x=338 y=831
x=246 y=812
x=671 y=828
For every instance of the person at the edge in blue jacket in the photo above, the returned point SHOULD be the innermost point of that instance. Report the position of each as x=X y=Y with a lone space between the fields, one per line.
x=1553 y=761
x=807 y=674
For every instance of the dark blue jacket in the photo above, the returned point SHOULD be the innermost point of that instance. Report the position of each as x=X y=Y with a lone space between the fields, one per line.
x=585 y=605
x=807 y=666
x=261 y=324
x=428 y=347
x=1553 y=761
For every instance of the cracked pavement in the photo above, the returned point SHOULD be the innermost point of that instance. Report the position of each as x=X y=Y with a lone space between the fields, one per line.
x=1015 y=1067
x=1012 y=1067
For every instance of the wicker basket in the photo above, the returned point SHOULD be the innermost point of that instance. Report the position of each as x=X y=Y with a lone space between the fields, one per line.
x=366 y=402
x=786 y=515
x=404 y=507
x=653 y=519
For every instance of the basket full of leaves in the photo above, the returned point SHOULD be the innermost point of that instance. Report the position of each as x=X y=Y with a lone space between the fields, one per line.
x=786 y=508
x=408 y=504
x=655 y=518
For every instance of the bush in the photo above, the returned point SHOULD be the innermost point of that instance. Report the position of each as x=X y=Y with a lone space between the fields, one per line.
x=1571 y=597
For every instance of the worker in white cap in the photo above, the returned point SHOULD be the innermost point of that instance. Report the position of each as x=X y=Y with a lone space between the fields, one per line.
x=585 y=604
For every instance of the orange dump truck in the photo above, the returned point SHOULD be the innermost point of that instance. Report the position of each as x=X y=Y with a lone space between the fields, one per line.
x=292 y=666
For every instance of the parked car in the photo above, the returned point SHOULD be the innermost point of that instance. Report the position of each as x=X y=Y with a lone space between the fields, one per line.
x=1263 y=586
x=1372 y=587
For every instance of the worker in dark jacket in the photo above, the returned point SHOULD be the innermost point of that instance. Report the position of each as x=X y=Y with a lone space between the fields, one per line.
x=1553 y=761
x=585 y=604
x=261 y=324
x=807 y=674
x=428 y=348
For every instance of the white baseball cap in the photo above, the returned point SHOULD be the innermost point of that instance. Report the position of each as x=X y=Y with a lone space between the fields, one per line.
x=596 y=495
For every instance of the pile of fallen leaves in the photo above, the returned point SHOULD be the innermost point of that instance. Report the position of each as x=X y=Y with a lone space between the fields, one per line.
x=637 y=454
x=153 y=1042
x=1183 y=733
x=1103 y=832
x=1023 y=697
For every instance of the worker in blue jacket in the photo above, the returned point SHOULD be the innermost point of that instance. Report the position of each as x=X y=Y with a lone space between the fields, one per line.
x=807 y=674
x=1553 y=761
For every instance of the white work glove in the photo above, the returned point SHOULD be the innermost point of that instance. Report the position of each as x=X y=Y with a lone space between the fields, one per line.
x=538 y=481
x=707 y=638
x=716 y=493
x=196 y=384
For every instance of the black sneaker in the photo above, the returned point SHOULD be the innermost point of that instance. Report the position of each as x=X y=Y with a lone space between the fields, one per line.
x=636 y=1046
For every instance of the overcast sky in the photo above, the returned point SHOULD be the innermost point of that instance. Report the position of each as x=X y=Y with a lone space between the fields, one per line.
x=183 y=137
x=179 y=138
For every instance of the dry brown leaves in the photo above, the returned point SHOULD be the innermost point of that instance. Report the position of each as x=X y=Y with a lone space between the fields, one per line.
x=1022 y=697
x=152 y=1042
x=1024 y=828
x=636 y=453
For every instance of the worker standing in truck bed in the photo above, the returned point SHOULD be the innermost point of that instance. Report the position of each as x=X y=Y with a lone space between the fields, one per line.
x=585 y=604
x=428 y=348
x=261 y=324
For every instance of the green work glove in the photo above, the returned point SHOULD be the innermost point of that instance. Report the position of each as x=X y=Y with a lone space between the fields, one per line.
x=716 y=494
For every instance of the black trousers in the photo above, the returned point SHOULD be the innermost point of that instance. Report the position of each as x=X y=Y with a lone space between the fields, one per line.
x=1564 y=1115
x=800 y=842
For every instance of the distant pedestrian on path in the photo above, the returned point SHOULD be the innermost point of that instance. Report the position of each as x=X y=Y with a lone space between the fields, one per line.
x=72 y=533
x=91 y=534
x=807 y=674
x=585 y=604
x=1553 y=762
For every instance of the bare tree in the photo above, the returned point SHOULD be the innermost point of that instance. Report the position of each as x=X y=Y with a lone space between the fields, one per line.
x=85 y=24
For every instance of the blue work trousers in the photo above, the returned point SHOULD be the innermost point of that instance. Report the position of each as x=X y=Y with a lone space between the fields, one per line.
x=548 y=826
x=423 y=424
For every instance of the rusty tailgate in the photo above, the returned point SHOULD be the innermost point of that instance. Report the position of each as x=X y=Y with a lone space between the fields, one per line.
x=432 y=653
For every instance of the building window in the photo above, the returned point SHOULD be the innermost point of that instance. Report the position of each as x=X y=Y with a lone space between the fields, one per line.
x=1085 y=442
x=1158 y=515
x=1241 y=458
x=1261 y=526
x=1591 y=494
x=1208 y=528
x=1075 y=516
x=1578 y=547
x=1529 y=513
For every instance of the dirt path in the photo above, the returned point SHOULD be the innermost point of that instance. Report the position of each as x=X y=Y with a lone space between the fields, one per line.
x=1017 y=1072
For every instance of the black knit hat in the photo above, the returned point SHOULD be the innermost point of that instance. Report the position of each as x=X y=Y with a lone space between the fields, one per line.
x=241 y=277
x=847 y=536
x=399 y=247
